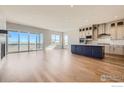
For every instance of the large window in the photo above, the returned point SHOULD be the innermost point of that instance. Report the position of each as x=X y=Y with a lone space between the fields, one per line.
x=33 y=41
x=65 y=40
x=13 y=41
x=22 y=41
x=39 y=41
x=55 y=39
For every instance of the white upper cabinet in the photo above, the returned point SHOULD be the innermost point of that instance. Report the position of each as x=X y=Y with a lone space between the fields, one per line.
x=120 y=30
x=87 y=32
x=113 y=31
x=95 y=33
x=90 y=31
x=107 y=28
x=82 y=33
x=117 y=30
x=101 y=29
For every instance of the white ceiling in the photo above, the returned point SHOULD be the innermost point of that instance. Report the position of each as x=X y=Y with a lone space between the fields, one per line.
x=62 y=18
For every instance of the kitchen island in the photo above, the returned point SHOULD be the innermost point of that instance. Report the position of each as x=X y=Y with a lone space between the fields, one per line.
x=96 y=51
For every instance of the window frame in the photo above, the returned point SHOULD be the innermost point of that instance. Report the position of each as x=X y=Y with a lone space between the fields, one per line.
x=28 y=44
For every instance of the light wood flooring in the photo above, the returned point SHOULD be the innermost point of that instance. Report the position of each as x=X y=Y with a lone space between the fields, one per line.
x=60 y=65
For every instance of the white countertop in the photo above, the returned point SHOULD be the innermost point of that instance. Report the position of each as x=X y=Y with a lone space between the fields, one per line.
x=88 y=44
x=100 y=44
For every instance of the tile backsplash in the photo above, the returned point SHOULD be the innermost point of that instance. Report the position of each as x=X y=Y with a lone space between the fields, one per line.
x=108 y=41
x=111 y=42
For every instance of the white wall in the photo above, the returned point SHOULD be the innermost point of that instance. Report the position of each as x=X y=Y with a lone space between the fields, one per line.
x=2 y=27
x=2 y=21
x=24 y=28
x=73 y=37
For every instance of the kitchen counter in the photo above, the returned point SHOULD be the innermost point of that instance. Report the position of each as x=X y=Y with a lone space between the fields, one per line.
x=89 y=44
x=96 y=51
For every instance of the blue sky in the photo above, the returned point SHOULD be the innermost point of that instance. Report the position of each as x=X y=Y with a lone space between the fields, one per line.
x=13 y=37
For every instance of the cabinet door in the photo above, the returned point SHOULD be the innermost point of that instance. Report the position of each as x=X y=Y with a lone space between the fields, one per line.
x=118 y=50
x=90 y=32
x=97 y=52
x=73 y=49
x=111 y=49
x=101 y=29
x=95 y=33
x=86 y=31
x=107 y=49
x=80 y=33
x=88 y=50
x=107 y=28
x=113 y=31
x=78 y=49
x=83 y=34
x=120 y=30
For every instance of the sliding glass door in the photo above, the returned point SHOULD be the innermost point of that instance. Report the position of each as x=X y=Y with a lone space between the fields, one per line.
x=13 y=43
x=23 y=39
x=39 y=41
x=33 y=40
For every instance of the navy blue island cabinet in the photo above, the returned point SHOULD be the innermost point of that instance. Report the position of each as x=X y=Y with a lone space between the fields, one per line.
x=95 y=51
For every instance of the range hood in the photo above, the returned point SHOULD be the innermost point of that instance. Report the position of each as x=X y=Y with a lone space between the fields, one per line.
x=104 y=34
x=102 y=29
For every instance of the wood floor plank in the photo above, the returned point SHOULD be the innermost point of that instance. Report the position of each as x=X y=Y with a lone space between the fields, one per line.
x=60 y=65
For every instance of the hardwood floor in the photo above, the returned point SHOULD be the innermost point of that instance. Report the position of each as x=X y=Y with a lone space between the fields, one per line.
x=59 y=66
